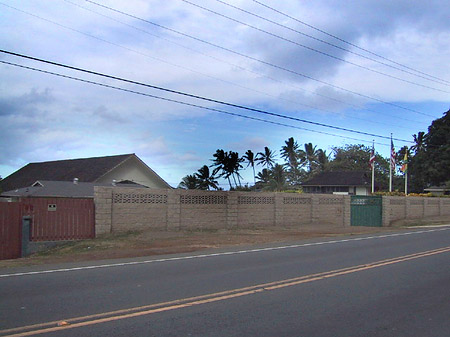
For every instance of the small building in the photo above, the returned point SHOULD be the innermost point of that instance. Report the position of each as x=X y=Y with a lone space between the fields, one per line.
x=438 y=190
x=100 y=170
x=342 y=182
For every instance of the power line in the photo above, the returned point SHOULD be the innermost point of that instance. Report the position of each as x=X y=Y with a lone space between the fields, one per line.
x=200 y=97
x=184 y=103
x=220 y=60
x=260 y=61
x=315 y=50
x=427 y=77
x=347 y=42
x=192 y=70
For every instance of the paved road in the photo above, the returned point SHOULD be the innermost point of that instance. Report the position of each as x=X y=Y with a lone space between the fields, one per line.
x=382 y=285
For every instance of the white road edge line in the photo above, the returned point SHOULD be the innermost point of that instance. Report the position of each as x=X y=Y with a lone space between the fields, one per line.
x=220 y=254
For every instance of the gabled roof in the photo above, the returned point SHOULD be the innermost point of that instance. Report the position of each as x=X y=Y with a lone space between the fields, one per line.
x=346 y=178
x=85 y=169
x=66 y=189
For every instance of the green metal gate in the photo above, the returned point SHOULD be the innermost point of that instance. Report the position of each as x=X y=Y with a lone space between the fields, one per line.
x=366 y=211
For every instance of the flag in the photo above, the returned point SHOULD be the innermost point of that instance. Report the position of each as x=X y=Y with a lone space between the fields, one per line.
x=393 y=156
x=405 y=163
x=372 y=157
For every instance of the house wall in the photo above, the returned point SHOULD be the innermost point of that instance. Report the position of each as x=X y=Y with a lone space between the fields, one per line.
x=403 y=208
x=362 y=190
x=121 y=208
x=134 y=170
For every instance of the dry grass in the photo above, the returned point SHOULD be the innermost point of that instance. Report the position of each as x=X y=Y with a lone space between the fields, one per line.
x=151 y=242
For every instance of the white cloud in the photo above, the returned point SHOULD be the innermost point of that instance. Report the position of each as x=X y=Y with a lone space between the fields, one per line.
x=44 y=117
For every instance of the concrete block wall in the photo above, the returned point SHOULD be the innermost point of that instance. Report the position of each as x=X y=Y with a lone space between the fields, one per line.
x=295 y=210
x=203 y=210
x=332 y=210
x=431 y=206
x=137 y=208
x=444 y=206
x=121 y=209
x=255 y=210
x=402 y=208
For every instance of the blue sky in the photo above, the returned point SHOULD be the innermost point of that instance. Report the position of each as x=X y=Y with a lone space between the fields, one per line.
x=43 y=117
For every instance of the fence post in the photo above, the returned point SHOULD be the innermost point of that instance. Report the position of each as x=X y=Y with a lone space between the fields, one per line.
x=232 y=210
x=386 y=211
x=315 y=208
x=26 y=230
x=347 y=210
x=279 y=210
x=103 y=209
x=173 y=209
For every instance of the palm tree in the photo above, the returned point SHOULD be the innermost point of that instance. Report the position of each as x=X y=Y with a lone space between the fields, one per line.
x=278 y=178
x=189 y=182
x=233 y=165
x=263 y=178
x=322 y=159
x=221 y=163
x=205 y=179
x=249 y=157
x=228 y=164
x=293 y=155
x=266 y=158
x=310 y=156
x=419 y=141
x=289 y=152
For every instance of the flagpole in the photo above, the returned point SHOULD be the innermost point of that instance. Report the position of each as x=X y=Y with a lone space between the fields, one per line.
x=405 y=170
x=406 y=183
x=373 y=169
x=390 y=168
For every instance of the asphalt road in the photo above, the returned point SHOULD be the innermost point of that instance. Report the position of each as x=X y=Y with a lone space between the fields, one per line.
x=395 y=284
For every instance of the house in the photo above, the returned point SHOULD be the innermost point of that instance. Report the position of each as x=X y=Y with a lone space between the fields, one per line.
x=61 y=189
x=349 y=182
x=101 y=170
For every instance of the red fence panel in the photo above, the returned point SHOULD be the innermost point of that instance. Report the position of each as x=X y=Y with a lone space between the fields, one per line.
x=10 y=230
x=61 y=218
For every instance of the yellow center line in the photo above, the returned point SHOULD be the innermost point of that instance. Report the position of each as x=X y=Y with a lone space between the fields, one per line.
x=81 y=321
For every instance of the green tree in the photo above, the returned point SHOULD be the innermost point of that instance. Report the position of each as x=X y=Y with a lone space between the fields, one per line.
x=189 y=182
x=263 y=178
x=277 y=180
x=273 y=179
x=356 y=158
x=437 y=151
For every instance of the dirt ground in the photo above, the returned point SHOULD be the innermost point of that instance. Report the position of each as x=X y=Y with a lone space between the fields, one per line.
x=150 y=242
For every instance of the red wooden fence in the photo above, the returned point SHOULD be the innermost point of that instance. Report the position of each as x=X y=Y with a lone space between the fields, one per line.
x=60 y=218
x=10 y=230
x=52 y=219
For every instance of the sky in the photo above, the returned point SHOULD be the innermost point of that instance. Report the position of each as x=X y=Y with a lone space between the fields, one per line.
x=375 y=66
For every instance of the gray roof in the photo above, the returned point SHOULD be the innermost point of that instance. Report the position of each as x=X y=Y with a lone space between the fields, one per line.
x=437 y=188
x=65 y=189
x=341 y=178
x=85 y=169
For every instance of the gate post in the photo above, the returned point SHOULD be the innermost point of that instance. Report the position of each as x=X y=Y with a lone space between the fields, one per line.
x=26 y=230
x=386 y=204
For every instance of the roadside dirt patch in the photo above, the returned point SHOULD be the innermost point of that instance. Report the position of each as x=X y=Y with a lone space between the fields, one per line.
x=150 y=242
